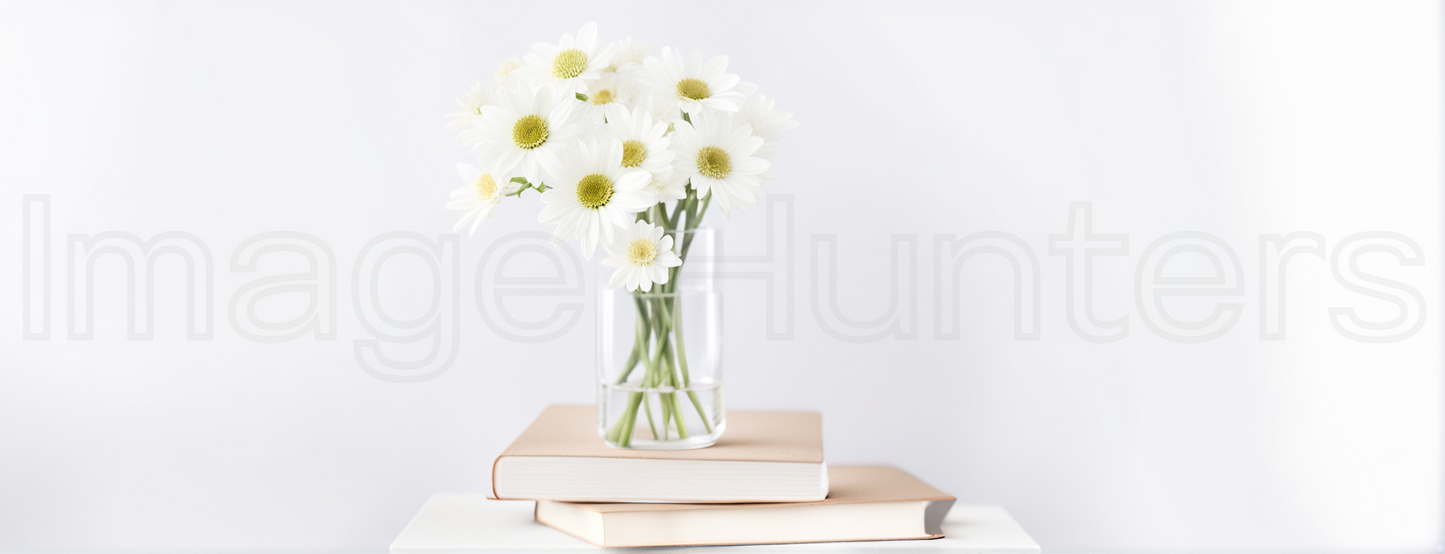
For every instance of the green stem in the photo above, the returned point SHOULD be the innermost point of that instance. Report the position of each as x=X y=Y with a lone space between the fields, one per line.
x=626 y=438
x=647 y=407
x=677 y=212
x=666 y=366
x=621 y=432
x=682 y=365
x=667 y=415
x=639 y=345
x=692 y=221
x=649 y=381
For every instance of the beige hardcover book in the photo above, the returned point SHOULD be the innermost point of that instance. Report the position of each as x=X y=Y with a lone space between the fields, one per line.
x=761 y=457
x=865 y=503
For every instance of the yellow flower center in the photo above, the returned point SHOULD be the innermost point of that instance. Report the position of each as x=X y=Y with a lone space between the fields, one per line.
x=569 y=63
x=693 y=88
x=602 y=97
x=594 y=190
x=633 y=152
x=529 y=132
x=486 y=187
x=641 y=252
x=713 y=162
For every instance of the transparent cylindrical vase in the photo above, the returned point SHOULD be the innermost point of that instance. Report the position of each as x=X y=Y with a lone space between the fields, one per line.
x=659 y=370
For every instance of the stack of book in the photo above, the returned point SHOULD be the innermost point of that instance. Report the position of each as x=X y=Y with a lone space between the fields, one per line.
x=764 y=482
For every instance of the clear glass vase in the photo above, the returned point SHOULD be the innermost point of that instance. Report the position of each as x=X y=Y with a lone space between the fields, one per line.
x=659 y=370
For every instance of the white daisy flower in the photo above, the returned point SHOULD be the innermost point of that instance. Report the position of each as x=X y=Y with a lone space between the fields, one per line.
x=691 y=84
x=717 y=156
x=642 y=255
x=570 y=64
x=589 y=194
x=757 y=112
x=645 y=147
x=471 y=103
x=525 y=128
x=609 y=97
x=478 y=195
x=628 y=55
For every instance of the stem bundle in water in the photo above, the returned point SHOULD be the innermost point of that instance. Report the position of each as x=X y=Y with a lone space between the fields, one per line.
x=658 y=340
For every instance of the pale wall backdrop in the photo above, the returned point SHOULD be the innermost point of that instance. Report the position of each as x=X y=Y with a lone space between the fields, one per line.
x=920 y=120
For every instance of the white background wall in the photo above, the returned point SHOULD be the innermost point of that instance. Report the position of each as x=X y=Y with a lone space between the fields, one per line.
x=1239 y=120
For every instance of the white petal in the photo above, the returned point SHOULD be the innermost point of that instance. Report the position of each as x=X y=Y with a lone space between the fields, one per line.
x=750 y=165
x=589 y=235
x=724 y=83
x=553 y=211
x=667 y=258
x=634 y=278
x=631 y=179
x=720 y=104
x=508 y=161
x=478 y=222
x=713 y=69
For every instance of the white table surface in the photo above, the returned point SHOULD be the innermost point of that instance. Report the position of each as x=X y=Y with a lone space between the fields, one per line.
x=457 y=523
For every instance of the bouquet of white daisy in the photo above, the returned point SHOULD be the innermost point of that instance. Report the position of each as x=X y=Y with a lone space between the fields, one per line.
x=630 y=150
